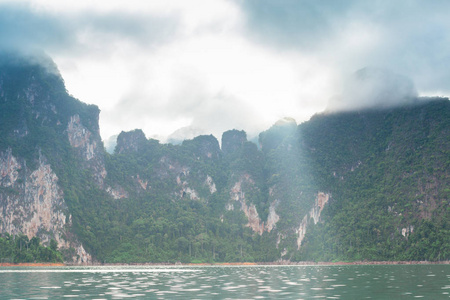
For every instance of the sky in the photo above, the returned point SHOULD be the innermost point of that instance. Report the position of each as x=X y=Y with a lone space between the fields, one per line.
x=178 y=68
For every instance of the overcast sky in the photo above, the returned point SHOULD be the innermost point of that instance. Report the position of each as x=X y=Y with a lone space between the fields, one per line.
x=212 y=65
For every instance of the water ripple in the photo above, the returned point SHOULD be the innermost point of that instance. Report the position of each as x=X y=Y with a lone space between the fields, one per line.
x=227 y=282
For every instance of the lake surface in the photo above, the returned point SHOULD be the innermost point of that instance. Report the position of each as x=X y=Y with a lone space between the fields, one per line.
x=228 y=282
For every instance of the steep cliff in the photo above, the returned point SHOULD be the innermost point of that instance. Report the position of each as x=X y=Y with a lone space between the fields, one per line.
x=388 y=174
x=133 y=141
x=34 y=108
x=368 y=185
x=312 y=216
x=232 y=141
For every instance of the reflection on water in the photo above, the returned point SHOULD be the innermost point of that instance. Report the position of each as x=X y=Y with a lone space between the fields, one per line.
x=228 y=282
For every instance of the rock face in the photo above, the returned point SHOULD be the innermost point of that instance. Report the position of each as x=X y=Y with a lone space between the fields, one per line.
x=131 y=141
x=158 y=202
x=232 y=141
x=117 y=192
x=321 y=200
x=237 y=194
x=204 y=146
x=272 y=218
x=31 y=202
x=41 y=128
x=185 y=189
x=407 y=231
x=9 y=168
x=211 y=185
x=142 y=183
x=89 y=147
x=80 y=137
x=314 y=214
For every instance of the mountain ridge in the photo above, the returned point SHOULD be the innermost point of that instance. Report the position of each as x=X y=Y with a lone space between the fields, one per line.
x=197 y=201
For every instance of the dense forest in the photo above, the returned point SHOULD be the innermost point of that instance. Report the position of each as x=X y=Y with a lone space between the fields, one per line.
x=385 y=173
x=390 y=185
x=20 y=249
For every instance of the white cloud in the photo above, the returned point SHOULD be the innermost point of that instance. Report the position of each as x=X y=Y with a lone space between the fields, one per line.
x=374 y=88
x=221 y=64
x=210 y=76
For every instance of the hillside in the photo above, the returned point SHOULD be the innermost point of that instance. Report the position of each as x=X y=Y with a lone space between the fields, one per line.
x=366 y=185
x=388 y=174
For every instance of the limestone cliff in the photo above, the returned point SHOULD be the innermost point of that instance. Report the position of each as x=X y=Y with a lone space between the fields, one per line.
x=314 y=215
x=152 y=202
x=41 y=123
x=237 y=194
x=89 y=146
x=232 y=141
x=132 y=141
x=32 y=202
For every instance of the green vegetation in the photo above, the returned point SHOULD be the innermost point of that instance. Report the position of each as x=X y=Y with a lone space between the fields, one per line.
x=386 y=172
x=19 y=249
x=162 y=223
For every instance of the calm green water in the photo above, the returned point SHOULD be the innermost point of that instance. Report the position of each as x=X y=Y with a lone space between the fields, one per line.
x=228 y=282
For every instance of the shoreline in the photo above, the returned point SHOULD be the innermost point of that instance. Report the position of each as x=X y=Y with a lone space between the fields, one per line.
x=276 y=263
x=282 y=263
x=32 y=265
x=343 y=263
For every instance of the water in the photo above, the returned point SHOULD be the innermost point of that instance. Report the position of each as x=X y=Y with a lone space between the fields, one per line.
x=228 y=282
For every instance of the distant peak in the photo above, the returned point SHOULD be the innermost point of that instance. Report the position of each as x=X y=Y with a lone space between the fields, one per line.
x=184 y=133
x=232 y=140
x=131 y=141
x=286 y=121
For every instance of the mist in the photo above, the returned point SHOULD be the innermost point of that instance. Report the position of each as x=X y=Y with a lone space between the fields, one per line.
x=373 y=88
x=176 y=69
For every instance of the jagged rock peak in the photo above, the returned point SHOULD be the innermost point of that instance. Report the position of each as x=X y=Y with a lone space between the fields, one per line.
x=131 y=141
x=275 y=135
x=204 y=146
x=232 y=140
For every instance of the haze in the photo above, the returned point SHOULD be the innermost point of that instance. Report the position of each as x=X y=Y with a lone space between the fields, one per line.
x=203 y=67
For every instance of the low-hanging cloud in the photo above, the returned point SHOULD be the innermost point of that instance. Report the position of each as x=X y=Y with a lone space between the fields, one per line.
x=408 y=37
x=20 y=28
x=71 y=33
x=299 y=24
x=373 y=88
x=210 y=66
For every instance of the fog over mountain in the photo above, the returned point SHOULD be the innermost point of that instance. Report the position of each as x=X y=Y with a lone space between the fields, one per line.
x=373 y=88
x=342 y=186
x=221 y=64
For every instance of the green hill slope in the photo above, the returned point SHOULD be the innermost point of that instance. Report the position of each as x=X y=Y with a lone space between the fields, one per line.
x=367 y=185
